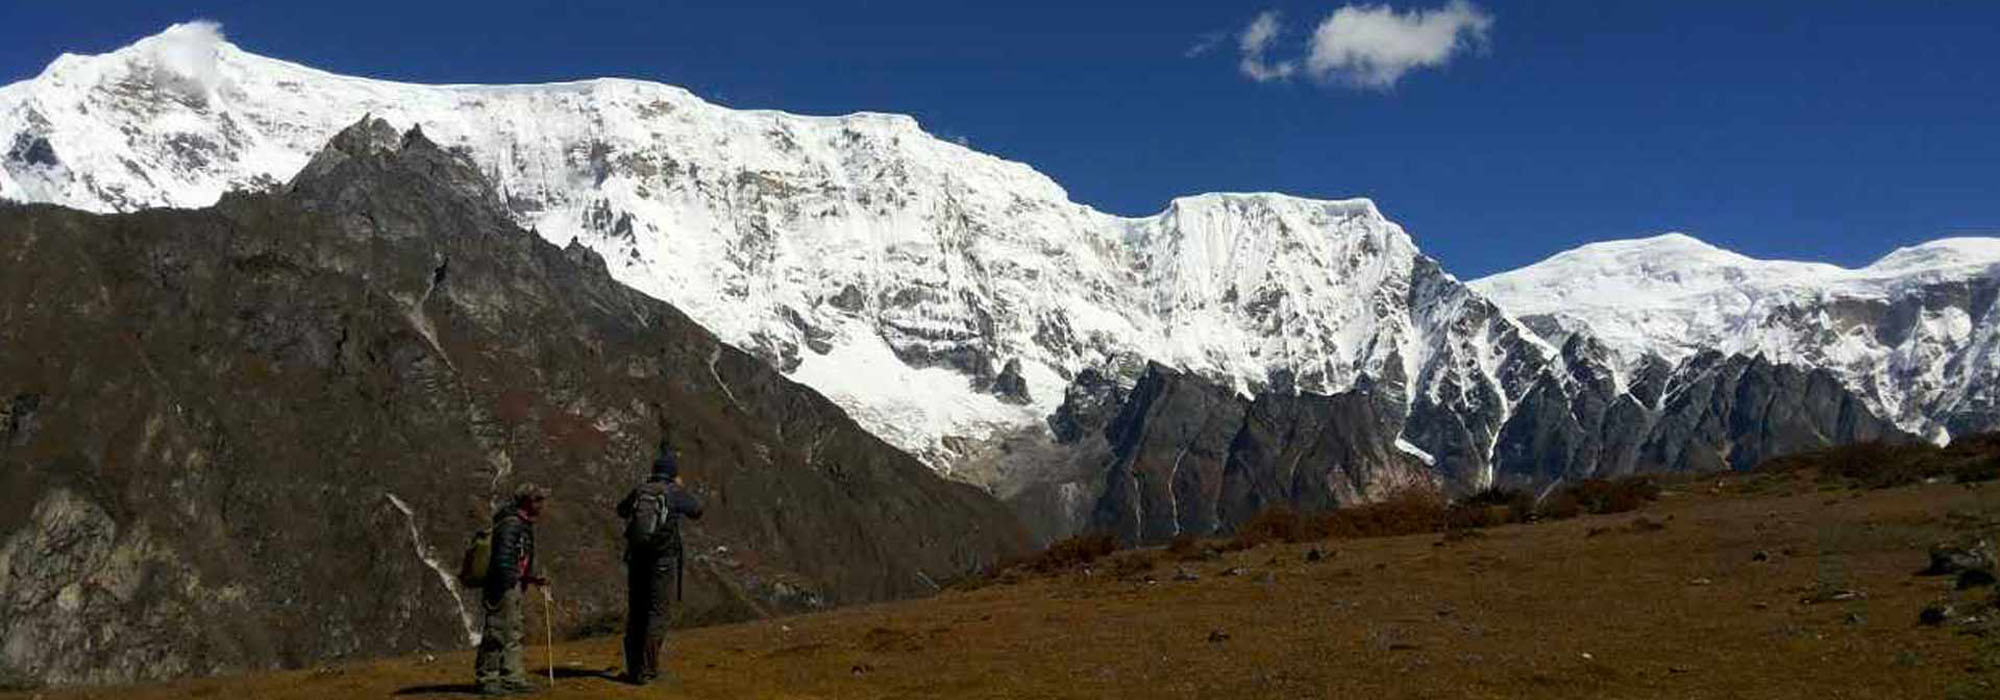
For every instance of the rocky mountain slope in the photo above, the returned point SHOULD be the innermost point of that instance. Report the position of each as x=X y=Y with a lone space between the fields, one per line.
x=255 y=435
x=1914 y=334
x=962 y=307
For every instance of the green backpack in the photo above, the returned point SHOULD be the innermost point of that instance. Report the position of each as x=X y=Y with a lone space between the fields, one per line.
x=478 y=556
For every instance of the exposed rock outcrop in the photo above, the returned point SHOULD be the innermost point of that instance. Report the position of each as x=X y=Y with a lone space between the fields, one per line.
x=1190 y=456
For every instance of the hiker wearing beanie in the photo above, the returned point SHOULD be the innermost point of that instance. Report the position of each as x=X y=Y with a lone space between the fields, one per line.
x=511 y=570
x=653 y=561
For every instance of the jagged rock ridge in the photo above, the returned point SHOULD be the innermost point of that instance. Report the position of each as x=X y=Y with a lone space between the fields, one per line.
x=1914 y=334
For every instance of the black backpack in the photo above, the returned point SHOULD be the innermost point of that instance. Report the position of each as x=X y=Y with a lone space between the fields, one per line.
x=653 y=525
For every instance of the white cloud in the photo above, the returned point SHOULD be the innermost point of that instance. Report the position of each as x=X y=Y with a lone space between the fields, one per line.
x=1376 y=46
x=1367 y=46
x=1205 y=43
x=1253 y=42
x=187 y=54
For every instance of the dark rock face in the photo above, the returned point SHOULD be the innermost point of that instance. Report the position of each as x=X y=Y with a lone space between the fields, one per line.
x=1715 y=413
x=1313 y=453
x=256 y=435
x=1458 y=401
x=1010 y=386
x=1091 y=401
x=1735 y=412
x=1168 y=446
x=1188 y=455
x=33 y=150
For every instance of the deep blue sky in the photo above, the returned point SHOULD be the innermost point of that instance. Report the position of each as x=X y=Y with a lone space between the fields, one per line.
x=1818 y=130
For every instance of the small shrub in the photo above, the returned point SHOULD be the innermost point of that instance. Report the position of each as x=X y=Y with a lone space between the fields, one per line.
x=1561 y=505
x=1132 y=563
x=1976 y=470
x=1600 y=496
x=1275 y=524
x=1185 y=546
x=1405 y=513
x=1064 y=555
x=1875 y=465
x=1490 y=507
x=1071 y=553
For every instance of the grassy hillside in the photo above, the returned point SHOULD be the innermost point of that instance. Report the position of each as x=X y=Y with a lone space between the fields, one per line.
x=1745 y=586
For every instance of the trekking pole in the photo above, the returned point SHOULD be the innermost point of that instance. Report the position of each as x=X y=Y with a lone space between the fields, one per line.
x=549 y=623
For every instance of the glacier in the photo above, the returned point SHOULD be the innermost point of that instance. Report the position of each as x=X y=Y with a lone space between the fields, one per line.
x=903 y=275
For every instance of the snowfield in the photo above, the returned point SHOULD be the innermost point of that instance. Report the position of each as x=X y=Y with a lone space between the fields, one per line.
x=1910 y=332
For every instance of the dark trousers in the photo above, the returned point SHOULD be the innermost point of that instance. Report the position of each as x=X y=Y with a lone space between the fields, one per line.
x=650 y=585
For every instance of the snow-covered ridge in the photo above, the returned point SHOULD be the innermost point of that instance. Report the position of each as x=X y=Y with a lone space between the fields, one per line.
x=1912 y=332
x=919 y=283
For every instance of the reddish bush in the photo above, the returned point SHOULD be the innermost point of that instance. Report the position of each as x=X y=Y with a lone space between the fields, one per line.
x=1600 y=496
x=1063 y=555
x=1132 y=563
x=1968 y=458
x=1186 y=546
x=1404 y=513
x=1275 y=524
x=1490 y=507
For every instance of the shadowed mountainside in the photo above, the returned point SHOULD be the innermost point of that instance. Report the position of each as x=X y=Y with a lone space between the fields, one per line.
x=256 y=435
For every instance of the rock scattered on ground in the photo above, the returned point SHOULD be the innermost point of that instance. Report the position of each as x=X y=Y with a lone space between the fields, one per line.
x=1935 y=614
x=1974 y=578
x=1948 y=559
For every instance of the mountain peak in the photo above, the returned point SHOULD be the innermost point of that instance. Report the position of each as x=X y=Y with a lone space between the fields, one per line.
x=186 y=53
x=1362 y=206
x=1943 y=253
x=1665 y=246
x=1672 y=240
x=369 y=160
x=368 y=135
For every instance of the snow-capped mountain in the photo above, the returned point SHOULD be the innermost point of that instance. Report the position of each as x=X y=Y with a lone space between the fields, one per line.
x=1914 y=334
x=940 y=295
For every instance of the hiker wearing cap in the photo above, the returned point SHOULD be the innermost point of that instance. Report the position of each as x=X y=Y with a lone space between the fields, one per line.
x=653 y=561
x=511 y=570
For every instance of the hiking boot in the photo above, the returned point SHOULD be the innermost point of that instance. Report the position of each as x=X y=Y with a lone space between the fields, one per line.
x=520 y=686
x=495 y=689
x=640 y=679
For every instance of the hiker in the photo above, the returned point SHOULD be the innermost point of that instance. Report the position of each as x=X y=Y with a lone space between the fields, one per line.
x=512 y=568
x=653 y=561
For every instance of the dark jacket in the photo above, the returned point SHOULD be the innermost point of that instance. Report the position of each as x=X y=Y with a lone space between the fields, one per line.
x=678 y=500
x=513 y=552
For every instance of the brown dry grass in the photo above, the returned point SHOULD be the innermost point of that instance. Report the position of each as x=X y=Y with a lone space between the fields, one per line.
x=1539 y=610
x=1968 y=459
x=1075 y=552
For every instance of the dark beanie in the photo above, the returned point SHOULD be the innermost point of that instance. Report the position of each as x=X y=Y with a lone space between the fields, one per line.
x=665 y=466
